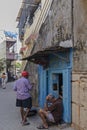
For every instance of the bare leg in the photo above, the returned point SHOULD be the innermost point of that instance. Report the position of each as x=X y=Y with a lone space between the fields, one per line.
x=22 y=113
x=3 y=84
x=25 y=116
x=43 y=115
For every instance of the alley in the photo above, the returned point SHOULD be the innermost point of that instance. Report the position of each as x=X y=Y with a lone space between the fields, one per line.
x=9 y=114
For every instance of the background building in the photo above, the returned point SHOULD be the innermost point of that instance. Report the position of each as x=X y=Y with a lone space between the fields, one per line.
x=8 y=53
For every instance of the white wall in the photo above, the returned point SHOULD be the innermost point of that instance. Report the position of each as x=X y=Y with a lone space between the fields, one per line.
x=3 y=50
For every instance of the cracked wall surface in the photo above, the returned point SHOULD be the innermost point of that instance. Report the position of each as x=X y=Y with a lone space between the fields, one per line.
x=79 y=75
x=80 y=35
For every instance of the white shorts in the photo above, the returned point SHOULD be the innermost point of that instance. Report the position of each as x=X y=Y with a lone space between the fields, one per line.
x=50 y=117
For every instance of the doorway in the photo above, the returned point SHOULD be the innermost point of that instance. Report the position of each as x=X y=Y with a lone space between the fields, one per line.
x=60 y=84
x=57 y=84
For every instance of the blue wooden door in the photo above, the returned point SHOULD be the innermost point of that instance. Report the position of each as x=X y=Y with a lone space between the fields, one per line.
x=43 y=85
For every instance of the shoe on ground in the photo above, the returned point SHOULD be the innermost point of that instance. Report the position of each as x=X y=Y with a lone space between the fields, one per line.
x=25 y=123
x=4 y=87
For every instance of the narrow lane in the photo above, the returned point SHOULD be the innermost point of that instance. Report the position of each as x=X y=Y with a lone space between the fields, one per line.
x=10 y=116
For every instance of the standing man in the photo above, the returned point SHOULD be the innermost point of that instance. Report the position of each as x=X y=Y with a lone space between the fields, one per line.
x=4 y=80
x=24 y=100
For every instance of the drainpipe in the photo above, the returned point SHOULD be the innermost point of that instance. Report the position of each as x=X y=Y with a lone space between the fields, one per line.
x=72 y=31
x=72 y=19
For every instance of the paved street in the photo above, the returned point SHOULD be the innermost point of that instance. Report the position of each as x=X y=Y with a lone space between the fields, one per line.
x=10 y=116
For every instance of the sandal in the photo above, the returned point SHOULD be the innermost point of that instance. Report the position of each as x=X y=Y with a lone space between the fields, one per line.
x=25 y=123
x=41 y=127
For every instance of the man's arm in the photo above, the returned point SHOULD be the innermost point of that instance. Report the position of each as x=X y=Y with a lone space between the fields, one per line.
x=48 y=102
x=46 y=107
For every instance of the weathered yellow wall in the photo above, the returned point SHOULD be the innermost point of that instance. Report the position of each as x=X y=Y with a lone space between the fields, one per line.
x=79 y=80
x=79 y=100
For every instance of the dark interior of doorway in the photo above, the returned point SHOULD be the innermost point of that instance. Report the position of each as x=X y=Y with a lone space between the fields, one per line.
x=58 y=86
x=61 y=84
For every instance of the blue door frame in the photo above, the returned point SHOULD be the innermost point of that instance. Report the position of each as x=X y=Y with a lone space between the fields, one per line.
x=42 y=86
x=46 y=81
x=44 y=90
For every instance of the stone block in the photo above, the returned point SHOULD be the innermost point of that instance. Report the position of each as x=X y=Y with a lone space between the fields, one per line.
x=83 y=94
x=83 y=78
x=75 y=77
x=83 y=118
x=75 y=92
x=75 y=114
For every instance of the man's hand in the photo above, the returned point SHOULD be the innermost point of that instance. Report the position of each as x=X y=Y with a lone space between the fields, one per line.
x=49 y=97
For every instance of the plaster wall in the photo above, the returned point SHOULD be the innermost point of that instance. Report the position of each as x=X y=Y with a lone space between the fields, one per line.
x=80 y=35
x=57 y=26
x=33 y=71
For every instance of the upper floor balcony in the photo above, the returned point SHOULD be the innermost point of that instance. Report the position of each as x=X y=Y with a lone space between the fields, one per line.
x=25 y=15
x=11 y=56
x=10 y=42
x=39 y=17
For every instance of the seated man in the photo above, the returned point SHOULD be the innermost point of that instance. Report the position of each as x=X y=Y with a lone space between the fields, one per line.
x=52 y=111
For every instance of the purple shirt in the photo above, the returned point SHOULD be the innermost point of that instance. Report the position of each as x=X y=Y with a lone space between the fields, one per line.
x=22 y=86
